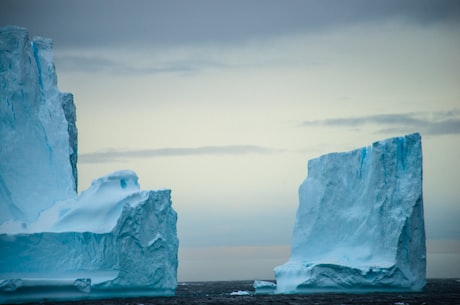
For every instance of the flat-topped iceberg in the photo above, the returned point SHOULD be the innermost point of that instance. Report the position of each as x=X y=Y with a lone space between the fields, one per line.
x=360 y=225
x=113 y=240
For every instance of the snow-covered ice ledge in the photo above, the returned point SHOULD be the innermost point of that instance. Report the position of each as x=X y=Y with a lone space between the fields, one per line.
x=123 y=240
x=360 y=225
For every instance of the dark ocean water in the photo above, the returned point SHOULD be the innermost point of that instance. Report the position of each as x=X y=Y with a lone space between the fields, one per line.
x=437 y=291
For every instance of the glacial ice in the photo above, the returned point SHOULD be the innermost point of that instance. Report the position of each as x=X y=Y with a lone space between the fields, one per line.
x=240 y=292
x=35 y=120
x=114 y=239
x=360 y=225
x=121 y=238
x=264 y=287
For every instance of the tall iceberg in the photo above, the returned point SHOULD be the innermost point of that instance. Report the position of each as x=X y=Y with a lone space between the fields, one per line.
x=114 y=239
x=38 y=161
x=360 y=225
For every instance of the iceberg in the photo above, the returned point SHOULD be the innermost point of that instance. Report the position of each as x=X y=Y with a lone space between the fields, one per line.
x=120 y=238
x=359 y=225
x=112 y=240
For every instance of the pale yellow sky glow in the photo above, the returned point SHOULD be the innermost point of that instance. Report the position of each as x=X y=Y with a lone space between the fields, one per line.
x=260 y=95
x=229 y=123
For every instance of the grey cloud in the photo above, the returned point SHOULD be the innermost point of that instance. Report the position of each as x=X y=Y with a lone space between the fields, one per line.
x=116 y=155
x=451 y=126
x=375 y=119
x=438 y=123
x=99 y=64
x=178 y=22
x=84 y=63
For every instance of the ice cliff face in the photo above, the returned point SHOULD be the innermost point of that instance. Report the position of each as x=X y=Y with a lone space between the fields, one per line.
x=360 y=225
x=113 y=240
x=38 y=154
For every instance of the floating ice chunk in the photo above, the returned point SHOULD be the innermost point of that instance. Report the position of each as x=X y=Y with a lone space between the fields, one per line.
x=240 y=292
x=264 y=287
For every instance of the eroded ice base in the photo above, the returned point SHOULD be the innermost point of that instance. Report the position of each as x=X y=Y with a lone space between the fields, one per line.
x=297 y=277
x=32 y=287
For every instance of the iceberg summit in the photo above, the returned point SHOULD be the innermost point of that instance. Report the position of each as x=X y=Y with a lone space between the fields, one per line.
x=360 y=225
x=112 y=240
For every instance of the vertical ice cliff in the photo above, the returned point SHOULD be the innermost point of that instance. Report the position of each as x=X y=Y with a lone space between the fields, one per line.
x=37 y=129
x=113 y=240
x=360 y=224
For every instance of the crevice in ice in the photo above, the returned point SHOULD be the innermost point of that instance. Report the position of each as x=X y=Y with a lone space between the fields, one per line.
x=13 y=210
x=401 y=156
x=39 y=67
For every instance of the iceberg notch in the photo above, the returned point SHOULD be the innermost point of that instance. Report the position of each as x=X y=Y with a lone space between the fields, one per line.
x=360 y=225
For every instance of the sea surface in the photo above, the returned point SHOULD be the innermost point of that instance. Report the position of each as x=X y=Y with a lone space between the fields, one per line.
x=437 y=291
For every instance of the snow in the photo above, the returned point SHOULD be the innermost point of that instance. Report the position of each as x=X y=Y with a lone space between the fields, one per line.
x=113 y=240
x=110 y=192
x=360 y=225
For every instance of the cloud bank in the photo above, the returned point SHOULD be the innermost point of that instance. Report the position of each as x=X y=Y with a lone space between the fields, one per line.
x=439 y=123
x=117 y=155
x=179 y=22
x=94 y=63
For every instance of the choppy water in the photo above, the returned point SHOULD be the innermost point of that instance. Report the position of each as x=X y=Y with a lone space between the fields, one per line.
x=437 y=291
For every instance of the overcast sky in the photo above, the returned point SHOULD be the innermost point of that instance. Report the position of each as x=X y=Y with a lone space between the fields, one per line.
x=224 y=102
